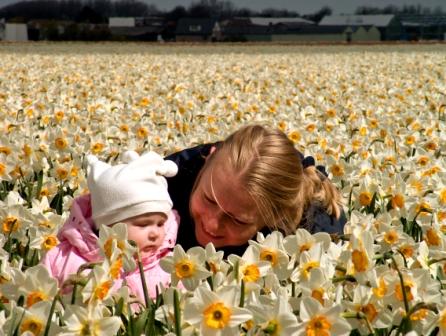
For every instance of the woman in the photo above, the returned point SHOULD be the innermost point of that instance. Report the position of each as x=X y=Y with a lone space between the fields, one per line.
x=255 y=180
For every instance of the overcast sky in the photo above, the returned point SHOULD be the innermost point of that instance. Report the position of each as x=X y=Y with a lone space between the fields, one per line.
x=305 y=6
x=301 y=6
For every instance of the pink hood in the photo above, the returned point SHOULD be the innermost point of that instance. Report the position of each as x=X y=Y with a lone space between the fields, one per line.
x=78 y=245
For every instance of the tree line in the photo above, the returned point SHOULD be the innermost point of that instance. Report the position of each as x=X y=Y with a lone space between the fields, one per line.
x=98 y=11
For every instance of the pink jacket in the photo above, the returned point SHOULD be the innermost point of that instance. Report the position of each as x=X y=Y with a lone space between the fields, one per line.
x=78 y=245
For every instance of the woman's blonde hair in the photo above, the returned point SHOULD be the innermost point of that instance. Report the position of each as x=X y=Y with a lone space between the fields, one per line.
x=266 y=162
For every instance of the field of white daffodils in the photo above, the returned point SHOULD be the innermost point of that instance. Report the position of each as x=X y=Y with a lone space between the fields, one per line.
x=375 y=116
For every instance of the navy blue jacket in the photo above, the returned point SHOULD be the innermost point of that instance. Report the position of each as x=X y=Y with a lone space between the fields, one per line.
x=190 y=161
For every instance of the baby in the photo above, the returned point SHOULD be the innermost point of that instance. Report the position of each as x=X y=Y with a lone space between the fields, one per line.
x=134 y=193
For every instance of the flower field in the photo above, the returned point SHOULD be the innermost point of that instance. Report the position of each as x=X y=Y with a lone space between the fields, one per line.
x=375 y=116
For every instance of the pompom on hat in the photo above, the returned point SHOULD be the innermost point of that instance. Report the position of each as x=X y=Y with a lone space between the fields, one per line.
x=126 y=190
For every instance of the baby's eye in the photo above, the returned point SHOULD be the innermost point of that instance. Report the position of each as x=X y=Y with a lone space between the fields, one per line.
x=161 y=224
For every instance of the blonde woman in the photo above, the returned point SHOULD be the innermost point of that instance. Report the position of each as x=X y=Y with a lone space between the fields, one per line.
x=255 y=180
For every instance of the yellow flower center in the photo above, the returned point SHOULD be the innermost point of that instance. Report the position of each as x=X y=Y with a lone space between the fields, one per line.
x=10 y=224
x=294 y=136
x=97 y=148
x=61 y=173
x=109 y=245
x=115 y=269
x=142 y=133
x=423 y=209
x=410 y=140
x=5 y=150
x=35 y=297
x=443 y=196
x=251 y=273
x=33 y=325
x=407 y=251
x=360 y=260
x=27 y=150
x=217 y=315
x=397 y=201
x=381 y=290
x=408 y=285
x=124 y=128
x=318 y=294
x=432 y=238
x=59 y=116
x=184 y=269
x=49 y=242
x=2 y=169
x=61 y=143
x=318 y=326
x=365 y=198
x=442 y=321
x=391 y=237
x=102 y=289
x=419 y=315
x=269 y=255
x=305 y=247
x=273 y=328
x=369 y=311
x=308 y=267
x=337 y=170
x=423 y=160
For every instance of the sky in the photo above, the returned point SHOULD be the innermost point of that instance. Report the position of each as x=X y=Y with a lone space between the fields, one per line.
x=301 y=6
x=307 y=7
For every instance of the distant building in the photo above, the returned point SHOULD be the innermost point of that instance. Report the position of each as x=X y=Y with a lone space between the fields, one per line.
x=197 y=30
x=423 y=27
x=263 y=21
x=137 y=28
x=388 y=25
x=121 y=22
x=315 y=33
x=16 y=32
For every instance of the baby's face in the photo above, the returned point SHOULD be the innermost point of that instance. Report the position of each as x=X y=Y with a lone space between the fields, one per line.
x=147 y=230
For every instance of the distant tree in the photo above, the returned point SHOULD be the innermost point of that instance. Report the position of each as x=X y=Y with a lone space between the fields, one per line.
x=244 y=12
x=89 y=15
x=317 y=16
x=272 y=12
x=175 y=14
x=125 y=8
x=199 y=10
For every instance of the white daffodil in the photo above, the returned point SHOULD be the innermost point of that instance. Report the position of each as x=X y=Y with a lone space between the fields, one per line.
x=374 y=311
x=303 y=240
x=114 y=245
x=216 y=313
x=189 y=268
x=99 y=285
x=32 y=321
x=38 y=286
x=275 y=319
x=89 y=320
x=271 y=249
x=313 y=258
x=317 y=320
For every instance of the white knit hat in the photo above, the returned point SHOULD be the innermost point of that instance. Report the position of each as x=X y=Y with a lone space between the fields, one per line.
x=126 y=190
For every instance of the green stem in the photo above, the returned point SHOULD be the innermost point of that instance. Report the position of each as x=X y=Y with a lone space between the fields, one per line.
x=242 y=294
x=177 y=312
x=143 y=281
x=403 y=289
x=359 y=316
x=50 y=316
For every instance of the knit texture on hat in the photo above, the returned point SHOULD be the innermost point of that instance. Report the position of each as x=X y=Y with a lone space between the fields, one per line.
x=130 y=189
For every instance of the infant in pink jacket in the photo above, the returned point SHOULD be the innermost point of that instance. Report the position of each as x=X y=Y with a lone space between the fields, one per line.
x=134 y=193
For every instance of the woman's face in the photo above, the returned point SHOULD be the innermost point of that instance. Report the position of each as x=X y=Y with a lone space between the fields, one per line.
x=223 y=212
